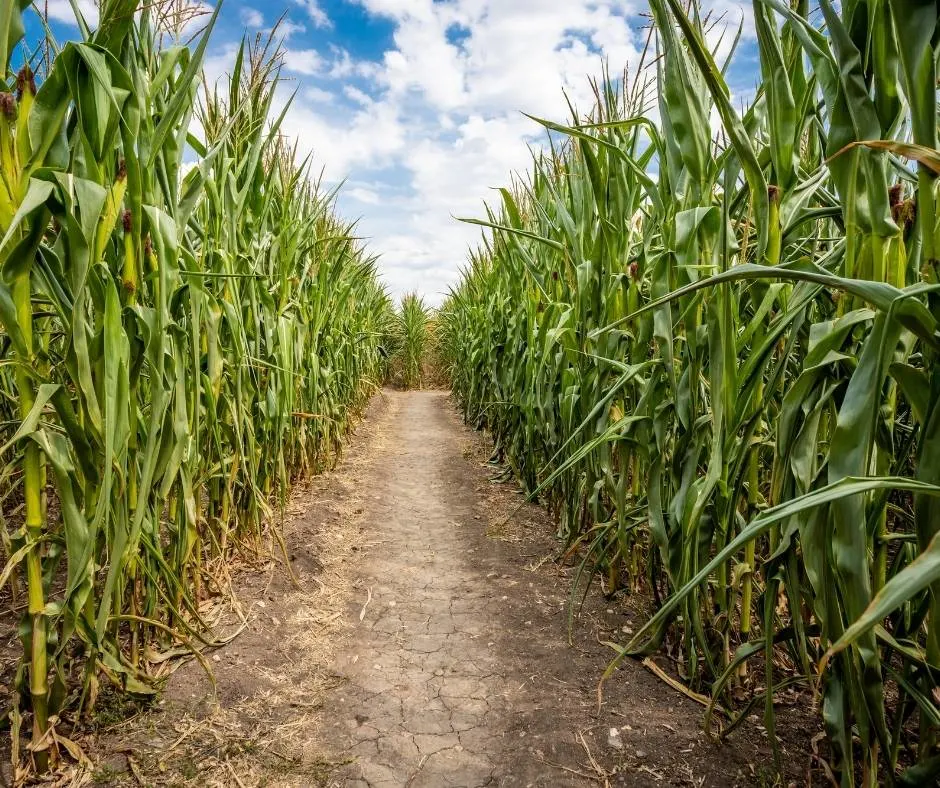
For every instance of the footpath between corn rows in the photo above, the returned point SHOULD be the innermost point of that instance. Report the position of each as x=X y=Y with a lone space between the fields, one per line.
x=424 y=644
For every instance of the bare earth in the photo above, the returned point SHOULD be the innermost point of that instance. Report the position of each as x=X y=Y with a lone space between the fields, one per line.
x=424 y=644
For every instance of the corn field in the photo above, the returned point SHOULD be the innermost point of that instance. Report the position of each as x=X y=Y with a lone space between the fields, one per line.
x=707 y=337
x=409 y=342
x=186 y=328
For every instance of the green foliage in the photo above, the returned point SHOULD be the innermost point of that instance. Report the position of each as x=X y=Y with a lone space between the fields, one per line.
x=179 y=341
x=410 y=339
x=715 y=357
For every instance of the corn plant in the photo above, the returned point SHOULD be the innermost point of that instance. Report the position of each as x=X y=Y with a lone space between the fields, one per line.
x=713 y=355
x=411 y=340
x=178 y=340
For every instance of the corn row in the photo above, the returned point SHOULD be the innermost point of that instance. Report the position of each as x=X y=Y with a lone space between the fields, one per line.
x=714 y=356
x=185 y=327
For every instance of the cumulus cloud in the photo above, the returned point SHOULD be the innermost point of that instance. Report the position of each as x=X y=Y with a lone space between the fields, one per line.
x=317 y=15
x=316 y=95
x=447 y=108
x=345 y=140
x=287 y=28
x=444 y=115
x=362 y=194
x=62 y=11
x=303 y=61
x=251 y=17
x=218 y=63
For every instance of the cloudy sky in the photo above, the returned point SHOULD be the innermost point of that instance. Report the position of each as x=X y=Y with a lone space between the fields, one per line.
x=417 y=104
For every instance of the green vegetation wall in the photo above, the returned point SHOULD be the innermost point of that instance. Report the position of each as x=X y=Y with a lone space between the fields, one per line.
x=178 y=340
x=715 y=355
x=412 y=339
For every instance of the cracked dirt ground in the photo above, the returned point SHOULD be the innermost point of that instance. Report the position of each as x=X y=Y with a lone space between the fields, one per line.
x=425 y=643
x=458 y=671
x=428 y=688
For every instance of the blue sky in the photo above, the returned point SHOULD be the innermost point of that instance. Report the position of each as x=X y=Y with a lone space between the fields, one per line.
x=417 y=104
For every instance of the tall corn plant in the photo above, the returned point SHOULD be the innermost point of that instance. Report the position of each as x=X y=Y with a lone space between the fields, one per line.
x=713 y=356
x=412 y=340
x=181 y=339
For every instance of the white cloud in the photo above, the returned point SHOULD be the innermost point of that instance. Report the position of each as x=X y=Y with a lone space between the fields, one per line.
x=251 y=17
x=358 y=96
x=362 y=194
x=316 y=95
x=287 y=28
x=317 y=15
x=218 y=63
x=444 y=120
x=303 y=61
x=61 y=11
x=344 y=67
x=731 y=13
x=344 y=140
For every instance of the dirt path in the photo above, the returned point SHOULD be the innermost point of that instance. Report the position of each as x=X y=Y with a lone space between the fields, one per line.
x=426 y=695
x=425 y=645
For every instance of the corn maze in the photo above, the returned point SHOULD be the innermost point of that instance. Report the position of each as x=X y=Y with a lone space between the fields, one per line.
x=702 y=330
